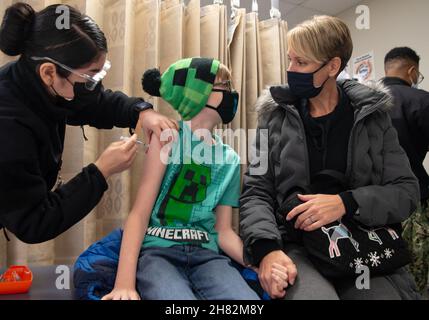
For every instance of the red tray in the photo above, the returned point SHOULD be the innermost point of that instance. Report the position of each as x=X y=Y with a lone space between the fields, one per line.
x=17 y=279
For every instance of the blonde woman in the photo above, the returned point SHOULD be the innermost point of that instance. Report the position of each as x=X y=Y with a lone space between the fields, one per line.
x=316 y=123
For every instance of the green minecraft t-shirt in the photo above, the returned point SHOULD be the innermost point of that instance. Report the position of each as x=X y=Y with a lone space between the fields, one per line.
x=198 y=178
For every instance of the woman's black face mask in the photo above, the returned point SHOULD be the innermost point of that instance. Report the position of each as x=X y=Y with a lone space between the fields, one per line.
x=302 y=84
x=82 y=96
x=228 y=106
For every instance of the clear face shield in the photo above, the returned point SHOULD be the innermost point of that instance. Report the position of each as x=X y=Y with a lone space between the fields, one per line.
x=91 y=81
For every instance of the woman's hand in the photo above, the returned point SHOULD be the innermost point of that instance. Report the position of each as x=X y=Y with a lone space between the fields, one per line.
x=154 y=122
x=317 y=211
x=117 y=157
x=122 y=294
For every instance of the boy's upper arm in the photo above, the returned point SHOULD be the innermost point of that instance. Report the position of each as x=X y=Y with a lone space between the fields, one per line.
x=151 y=176
x=223 y=217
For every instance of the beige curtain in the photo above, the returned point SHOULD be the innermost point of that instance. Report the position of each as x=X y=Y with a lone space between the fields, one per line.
x=237 y=65
x=274 y=53
x=235 y=136
x=145 y=34
x=214 y=24
x=283 y=43
x=254 y=74
x=192 y=35
x=171 y=48
x=146 y=56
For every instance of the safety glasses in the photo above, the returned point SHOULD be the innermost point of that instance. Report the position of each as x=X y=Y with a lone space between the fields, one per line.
x=91 y=81
x=227 y=84
x=420 y=78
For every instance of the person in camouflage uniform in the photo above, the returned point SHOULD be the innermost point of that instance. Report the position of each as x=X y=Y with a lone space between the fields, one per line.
x=416 y=232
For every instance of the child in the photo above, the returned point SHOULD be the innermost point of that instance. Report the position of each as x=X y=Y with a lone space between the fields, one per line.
x=183 y=210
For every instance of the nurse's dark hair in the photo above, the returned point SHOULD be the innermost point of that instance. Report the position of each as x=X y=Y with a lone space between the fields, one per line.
x=44 y=34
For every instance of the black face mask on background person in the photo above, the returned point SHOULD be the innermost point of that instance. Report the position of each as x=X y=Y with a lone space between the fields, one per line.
x=228 y=106
x=302 y=84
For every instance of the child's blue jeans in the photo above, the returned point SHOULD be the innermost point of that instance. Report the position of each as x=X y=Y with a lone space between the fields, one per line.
x=186 y=272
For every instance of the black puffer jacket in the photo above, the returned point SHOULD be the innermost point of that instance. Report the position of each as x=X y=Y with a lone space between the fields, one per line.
x=32 y=129
x=410 y=116
x=383 y=184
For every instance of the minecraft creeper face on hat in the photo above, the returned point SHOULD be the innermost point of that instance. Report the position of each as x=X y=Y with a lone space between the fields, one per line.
x=186 y=85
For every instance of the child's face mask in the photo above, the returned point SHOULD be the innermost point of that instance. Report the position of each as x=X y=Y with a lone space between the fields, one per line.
x=228 y=106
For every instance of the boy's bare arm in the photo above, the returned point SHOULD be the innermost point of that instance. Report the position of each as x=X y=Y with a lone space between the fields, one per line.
x=137 y=222
x=229 y=241
x=232 y=245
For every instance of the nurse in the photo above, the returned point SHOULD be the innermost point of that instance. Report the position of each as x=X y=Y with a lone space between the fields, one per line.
x=57 y=82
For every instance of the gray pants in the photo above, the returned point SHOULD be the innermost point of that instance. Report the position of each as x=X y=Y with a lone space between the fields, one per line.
x=311 y=285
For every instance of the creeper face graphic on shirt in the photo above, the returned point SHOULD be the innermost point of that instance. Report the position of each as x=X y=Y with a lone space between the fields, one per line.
x=189 y=187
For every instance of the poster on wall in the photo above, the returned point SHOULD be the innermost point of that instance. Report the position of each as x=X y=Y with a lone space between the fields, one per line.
x=363 y=67
x=346 y=74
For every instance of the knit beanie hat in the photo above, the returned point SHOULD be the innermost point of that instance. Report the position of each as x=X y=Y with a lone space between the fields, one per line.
x=186 y=85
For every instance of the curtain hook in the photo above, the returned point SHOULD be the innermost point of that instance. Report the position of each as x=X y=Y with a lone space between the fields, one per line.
x=275 y=12
x=235 y=5
x=255 y=7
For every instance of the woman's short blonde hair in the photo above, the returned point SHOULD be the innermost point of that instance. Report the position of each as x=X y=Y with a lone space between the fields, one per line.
x=321 y=39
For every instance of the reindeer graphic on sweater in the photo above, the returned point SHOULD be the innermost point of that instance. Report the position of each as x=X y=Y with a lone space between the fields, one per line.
x=336 y=233
x=341 y=231
x=373 y=236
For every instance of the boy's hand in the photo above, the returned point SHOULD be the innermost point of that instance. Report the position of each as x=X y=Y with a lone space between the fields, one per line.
x=279 y=275
x=122 y=294
x=265 y=274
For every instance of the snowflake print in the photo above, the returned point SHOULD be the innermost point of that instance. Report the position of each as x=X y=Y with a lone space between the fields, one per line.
x=388 y=253
x=374 y=258
x=358 y=263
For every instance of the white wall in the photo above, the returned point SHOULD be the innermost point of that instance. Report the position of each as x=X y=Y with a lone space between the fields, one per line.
x=393 y=23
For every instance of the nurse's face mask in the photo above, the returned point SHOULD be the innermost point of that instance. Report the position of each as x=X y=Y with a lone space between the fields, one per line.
x=90 y=84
